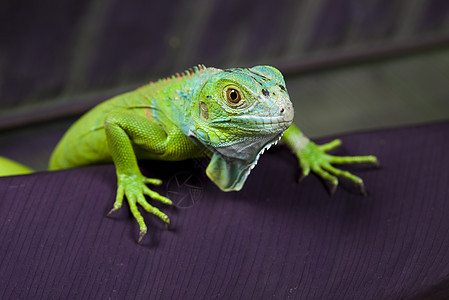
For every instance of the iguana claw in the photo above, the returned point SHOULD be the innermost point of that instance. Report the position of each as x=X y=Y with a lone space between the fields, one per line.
x=333 y=188
x=141 y=235
x=112 y=211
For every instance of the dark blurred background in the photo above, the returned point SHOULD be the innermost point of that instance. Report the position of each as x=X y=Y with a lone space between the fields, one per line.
x=350 y=65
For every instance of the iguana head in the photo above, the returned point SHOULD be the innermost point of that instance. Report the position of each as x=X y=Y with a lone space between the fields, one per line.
x=237 y=114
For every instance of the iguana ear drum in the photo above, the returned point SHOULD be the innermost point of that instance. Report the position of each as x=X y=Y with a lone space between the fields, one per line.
x=204 y=110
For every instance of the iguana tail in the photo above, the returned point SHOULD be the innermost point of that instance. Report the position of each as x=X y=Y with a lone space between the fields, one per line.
x=9 y=167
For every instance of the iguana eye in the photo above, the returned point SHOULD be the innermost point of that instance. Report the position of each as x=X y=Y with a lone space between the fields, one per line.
x=233 y=95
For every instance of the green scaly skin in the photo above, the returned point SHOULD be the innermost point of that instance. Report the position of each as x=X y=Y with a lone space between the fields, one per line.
x=9 y=167
x=231 y=116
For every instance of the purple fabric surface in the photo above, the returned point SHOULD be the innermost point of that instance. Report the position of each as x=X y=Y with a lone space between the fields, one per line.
x=274 y=239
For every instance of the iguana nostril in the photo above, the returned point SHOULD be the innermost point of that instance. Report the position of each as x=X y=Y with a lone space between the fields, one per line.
x=287 y=112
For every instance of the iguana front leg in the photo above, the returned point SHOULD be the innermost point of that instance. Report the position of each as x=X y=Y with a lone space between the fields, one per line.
x=121 y=130
x=314 y=157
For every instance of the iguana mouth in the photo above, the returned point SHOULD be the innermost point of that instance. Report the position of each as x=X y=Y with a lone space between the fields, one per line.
x=264 y=121
x=256 y=123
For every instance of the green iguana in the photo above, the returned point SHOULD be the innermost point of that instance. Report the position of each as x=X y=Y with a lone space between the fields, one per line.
x=231 y=116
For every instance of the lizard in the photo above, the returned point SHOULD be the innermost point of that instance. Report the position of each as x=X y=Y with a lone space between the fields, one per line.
x=229 y=115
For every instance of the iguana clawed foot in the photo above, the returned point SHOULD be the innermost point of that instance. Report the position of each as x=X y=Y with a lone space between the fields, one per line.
x=134 y=188
x=314 y=157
